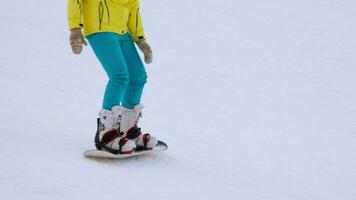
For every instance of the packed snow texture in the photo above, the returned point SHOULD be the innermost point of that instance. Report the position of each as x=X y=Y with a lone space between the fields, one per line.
x=256 y=99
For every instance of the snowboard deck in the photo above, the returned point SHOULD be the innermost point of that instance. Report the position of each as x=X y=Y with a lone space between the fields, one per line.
x=94 y=153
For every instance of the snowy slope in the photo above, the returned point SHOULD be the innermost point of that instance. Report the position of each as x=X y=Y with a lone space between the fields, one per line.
x=255 y=98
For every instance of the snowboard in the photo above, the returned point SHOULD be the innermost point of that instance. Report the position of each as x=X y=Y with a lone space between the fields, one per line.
x=94 y=153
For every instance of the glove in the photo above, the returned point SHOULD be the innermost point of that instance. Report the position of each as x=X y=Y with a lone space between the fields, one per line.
x=77 y=40
x=146 y=50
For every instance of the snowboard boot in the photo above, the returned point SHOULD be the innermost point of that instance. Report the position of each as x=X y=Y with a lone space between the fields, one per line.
x=108 y=138
x=128 y=120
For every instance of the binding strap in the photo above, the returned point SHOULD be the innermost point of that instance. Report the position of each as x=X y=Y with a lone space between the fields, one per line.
x=110 y=136
x=133 y=133
x=146 y=138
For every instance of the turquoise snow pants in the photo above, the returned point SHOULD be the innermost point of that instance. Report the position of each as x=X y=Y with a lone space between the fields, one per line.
x=122 y=63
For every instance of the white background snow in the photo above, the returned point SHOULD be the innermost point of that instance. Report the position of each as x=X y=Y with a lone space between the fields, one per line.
x=256 y=99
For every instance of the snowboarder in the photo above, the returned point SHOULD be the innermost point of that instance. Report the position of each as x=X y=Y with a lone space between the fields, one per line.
x=112 y=27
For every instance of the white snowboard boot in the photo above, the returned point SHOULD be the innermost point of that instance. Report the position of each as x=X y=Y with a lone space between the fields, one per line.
x=108 y=138
x=128 y=120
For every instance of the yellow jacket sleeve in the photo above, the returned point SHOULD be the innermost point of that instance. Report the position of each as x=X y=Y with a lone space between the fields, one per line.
x=74 y=13
x=135 y=21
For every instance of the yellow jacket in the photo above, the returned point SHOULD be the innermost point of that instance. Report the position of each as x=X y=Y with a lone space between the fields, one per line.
x=118 y=16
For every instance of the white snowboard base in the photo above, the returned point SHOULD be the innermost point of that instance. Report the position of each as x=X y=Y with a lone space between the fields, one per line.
x=161 y=146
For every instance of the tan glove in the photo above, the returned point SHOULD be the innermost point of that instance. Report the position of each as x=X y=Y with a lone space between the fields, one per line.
x=146 y=50
x=77 y=40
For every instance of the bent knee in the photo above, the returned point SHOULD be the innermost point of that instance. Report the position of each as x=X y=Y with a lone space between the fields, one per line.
x=139 y=80
x=119 y=78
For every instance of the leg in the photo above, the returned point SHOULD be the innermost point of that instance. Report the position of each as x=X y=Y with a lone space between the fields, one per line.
x=107 y=48
x=137 y=75
x=131 y=108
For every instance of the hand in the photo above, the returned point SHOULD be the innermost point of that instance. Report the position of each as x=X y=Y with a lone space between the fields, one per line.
x=146 y=50
x=77 y=40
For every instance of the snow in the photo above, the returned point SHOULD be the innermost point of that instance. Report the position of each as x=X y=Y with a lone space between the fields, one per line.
x=256 y=100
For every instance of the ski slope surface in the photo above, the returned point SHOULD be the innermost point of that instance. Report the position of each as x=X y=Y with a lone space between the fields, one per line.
x=256 y=100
